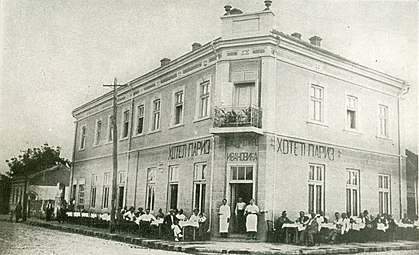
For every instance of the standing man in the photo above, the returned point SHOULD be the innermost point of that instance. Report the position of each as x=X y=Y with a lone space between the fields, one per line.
x=239 y=211
x=252 y=212
x=224 y=218
x=48 y=211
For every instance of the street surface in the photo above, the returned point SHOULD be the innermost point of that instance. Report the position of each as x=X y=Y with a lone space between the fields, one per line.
x=22 y=239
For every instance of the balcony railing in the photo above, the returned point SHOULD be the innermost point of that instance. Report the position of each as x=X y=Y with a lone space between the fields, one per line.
x=237 y=116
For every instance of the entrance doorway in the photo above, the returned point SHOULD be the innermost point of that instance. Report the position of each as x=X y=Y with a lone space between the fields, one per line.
x=245 y=192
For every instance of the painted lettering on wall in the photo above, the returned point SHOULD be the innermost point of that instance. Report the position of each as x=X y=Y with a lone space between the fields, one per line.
x=242 y=156
x=191 y=149
x=296 y=148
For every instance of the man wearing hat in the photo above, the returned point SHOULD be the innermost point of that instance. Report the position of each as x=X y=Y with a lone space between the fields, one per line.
x=172 y=227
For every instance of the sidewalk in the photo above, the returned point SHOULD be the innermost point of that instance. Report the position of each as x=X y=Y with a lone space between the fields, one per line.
x=226 y=246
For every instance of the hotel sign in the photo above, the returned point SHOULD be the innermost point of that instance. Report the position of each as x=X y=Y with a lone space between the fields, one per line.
x=191 y=149
x=296 y=148
x=242 y=156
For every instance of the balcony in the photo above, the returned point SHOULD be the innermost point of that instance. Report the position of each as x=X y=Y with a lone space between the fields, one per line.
x=237 y=119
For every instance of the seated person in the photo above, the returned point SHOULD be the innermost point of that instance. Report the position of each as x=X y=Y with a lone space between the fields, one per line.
x=171 y=223
x=194 y=217
x=406 y=219
x=321 y=218
x=203 y=227
x=139 y=212
x=312 y=227
x=301 y=220
x=335 y=232
x=160 y=214
x=144 y=222
x=278 y=226
x=129 y=215
x=181 y=216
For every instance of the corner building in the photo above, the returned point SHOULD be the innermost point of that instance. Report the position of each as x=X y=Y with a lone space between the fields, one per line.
x=254 y=114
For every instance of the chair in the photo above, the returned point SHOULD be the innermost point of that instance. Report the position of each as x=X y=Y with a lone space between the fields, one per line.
x=271 y=231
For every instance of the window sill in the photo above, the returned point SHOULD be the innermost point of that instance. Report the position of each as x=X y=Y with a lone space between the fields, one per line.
x=177 y=125
x=138 y=135
x=96 y=145
x=383 y=138
x=123 y=139
x=312 y=122
x=352 y=131
x=154 y=131
x=82 y=149
x=202 y=119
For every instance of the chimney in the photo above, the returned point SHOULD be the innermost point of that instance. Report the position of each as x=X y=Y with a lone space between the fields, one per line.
x=196 y=46
x=164 y=62
x=296 y=35
x=315 y=40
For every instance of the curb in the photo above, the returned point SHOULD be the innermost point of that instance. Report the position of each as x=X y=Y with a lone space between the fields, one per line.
x=171 y=246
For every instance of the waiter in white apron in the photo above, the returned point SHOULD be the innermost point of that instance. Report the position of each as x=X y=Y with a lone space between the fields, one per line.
x=224 y=218
x=252 y=212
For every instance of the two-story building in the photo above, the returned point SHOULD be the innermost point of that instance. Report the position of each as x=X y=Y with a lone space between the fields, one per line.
x=256 y=114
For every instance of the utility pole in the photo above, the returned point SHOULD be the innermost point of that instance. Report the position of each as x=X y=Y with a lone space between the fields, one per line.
x=114 y=155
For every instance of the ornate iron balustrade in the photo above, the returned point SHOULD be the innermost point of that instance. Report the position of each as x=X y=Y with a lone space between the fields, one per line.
x=237 y=116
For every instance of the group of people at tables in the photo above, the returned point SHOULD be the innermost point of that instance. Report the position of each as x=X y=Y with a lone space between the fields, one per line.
x=343 y=228
x=172 y=225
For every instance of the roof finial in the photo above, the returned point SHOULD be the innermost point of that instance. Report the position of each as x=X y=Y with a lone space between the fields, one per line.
x=267 y=4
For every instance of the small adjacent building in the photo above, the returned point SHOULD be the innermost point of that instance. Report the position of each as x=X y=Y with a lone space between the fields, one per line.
x=48 y=185
x=256 y=113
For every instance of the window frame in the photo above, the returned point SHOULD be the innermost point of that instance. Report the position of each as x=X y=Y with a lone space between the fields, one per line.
x=355 y=109
x=98 y=132
x=110 y=128
x=351 y=186
x=125 y=123
x=315 y=182
x=150 y=199
x=381 y=118
x=155 y=113
x=142 y=116
x=93 y=191
x=106 y=189
x=382 y=191
x=83 y=137
x=204 y=96
x=173 y=182
x=178 y=105
x=314 y=99
x=200 y=182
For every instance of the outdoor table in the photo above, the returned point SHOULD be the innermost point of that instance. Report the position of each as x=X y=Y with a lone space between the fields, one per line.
x=86 y=215
x=184 y=224
x=295 y=227
x=105 y=217
x=329 y=226
x=358 y=226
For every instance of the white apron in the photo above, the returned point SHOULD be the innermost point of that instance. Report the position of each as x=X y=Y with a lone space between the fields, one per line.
x=252 y=218
x=224 y=216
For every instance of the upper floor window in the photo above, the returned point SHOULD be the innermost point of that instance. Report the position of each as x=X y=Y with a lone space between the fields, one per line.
x=383 y=120
x=178 y=107
x=140 y=119
x=156 y=114
x=98 y=134
x=351 y=112
x=204 y=104
x=125 y=124
x=110 y=129
x=316 y=103
x=83 y=137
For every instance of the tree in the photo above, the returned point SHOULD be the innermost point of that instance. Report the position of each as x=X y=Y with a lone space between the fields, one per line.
x=34 y=160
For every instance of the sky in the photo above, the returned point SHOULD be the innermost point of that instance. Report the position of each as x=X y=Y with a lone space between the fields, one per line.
x=56 y=55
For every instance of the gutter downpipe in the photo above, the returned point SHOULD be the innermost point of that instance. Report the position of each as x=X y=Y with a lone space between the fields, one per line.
x=213 y=148
x=403 y=91
x=129 y=143
x=73 y=158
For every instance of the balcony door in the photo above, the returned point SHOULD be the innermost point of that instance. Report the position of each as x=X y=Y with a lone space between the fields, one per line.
x=243 y=94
